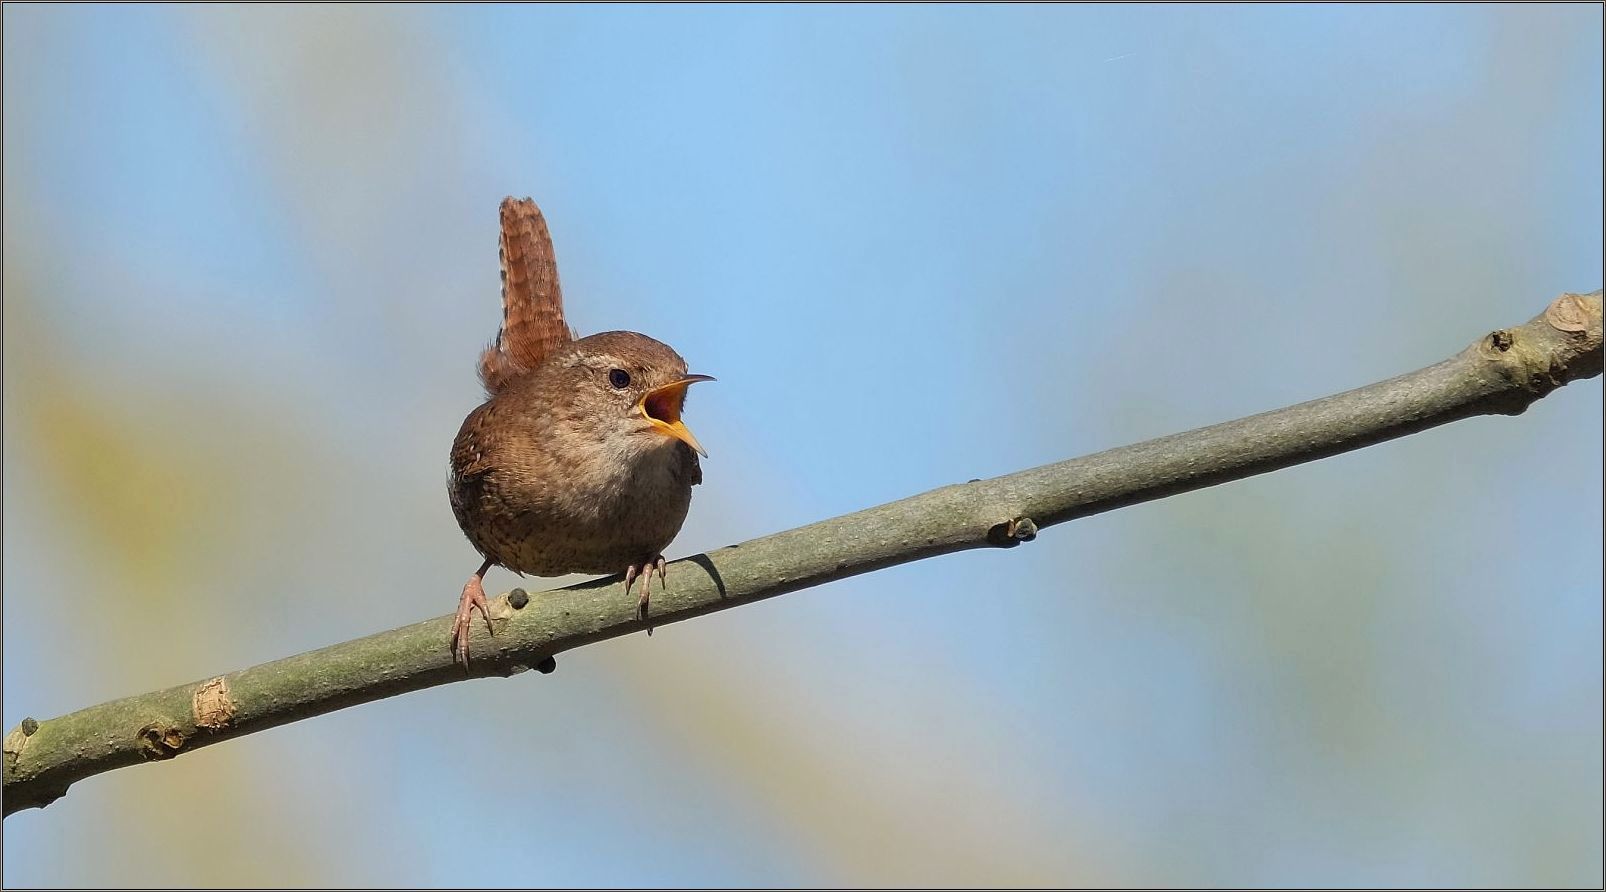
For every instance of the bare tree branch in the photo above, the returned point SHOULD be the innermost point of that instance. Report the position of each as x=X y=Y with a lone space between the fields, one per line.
x=1502 y=373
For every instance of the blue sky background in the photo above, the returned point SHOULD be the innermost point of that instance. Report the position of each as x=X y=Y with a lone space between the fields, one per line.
x=250 y=258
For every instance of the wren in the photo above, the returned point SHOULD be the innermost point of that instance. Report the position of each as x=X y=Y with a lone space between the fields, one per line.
x=577 y=461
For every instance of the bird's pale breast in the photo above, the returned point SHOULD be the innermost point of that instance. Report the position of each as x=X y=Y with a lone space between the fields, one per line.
x=538 y=497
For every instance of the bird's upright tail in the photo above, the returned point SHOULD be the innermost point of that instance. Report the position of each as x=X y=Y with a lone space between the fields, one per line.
x=532 y=300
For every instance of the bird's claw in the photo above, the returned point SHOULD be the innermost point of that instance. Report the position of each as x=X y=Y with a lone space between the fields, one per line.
x=473 y=599
x=645 y=570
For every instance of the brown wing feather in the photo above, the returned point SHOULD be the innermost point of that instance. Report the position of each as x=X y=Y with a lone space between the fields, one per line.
x=532 y=300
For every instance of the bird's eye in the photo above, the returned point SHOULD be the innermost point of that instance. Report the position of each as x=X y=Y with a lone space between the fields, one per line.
x=619 y=378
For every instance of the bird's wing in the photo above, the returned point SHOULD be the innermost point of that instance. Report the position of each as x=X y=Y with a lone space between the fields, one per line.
x=532 y=300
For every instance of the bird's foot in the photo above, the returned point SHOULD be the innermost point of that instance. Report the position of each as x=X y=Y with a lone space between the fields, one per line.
x=473 y=599
x=645 y=569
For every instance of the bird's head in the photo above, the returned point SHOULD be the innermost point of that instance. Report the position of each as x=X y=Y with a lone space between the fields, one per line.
x=628 y=386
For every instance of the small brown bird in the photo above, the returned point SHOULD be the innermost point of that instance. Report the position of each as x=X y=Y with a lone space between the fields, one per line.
x=577 y=462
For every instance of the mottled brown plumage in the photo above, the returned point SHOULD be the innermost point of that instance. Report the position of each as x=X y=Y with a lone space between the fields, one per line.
x=577 y=462
x=532 y=298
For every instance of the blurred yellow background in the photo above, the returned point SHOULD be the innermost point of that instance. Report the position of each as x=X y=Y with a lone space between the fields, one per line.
x=250 y=259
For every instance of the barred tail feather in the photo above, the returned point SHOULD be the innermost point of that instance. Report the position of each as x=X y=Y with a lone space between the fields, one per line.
x=532 y=299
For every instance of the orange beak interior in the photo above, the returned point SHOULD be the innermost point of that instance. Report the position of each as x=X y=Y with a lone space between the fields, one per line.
x=661 y=407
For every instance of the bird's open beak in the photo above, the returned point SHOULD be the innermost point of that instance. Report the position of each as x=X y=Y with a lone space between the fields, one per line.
x=661 y=407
